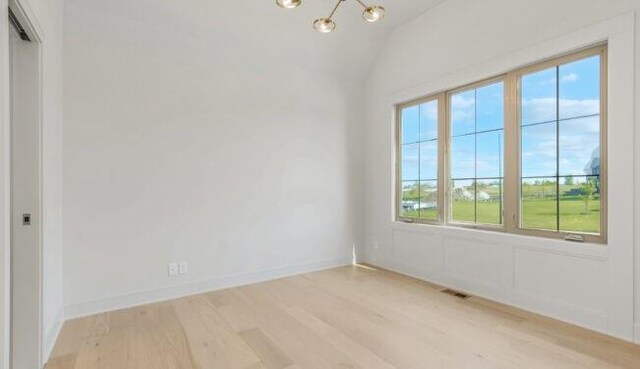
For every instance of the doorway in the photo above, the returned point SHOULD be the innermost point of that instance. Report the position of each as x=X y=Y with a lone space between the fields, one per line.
x=26 y=225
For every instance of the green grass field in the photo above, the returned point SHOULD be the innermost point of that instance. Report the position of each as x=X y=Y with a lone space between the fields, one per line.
x=536 y=214
x=428 y=214
x=539 y=209
x=488 y=212
x=574 y=216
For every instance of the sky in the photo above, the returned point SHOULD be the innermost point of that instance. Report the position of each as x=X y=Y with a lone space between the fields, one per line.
x=562 y=100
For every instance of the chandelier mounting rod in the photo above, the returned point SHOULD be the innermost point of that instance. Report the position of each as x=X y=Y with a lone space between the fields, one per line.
x=335 y=8
x=371 y=14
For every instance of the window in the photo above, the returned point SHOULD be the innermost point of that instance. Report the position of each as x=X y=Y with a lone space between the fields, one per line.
x=522 y=153
x=476 y=164
x=560 y=147
x=419 y=172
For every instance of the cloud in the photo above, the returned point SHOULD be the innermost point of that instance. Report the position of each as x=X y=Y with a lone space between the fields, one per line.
x=429 y=110
x=539 y=110
x=462 y=108
x=488 y=167
x=578 y=139
x=571 y=77
x=576 y=108
x=460 y=101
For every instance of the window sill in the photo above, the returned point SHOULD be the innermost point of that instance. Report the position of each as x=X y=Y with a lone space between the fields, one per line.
x=587 y=250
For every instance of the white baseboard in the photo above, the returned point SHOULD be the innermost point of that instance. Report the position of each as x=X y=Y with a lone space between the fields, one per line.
x=572 y=314
x=51 y=335
x=146 y=297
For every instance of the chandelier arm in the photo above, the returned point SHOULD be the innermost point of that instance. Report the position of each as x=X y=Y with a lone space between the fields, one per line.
x=335 y=9
x=363 y=4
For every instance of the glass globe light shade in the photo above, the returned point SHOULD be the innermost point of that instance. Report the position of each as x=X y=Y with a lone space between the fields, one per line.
x=373 y=13
x=324 y=25
x=289 y=4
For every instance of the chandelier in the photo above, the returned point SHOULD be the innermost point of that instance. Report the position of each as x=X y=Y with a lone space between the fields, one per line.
x=370 y=14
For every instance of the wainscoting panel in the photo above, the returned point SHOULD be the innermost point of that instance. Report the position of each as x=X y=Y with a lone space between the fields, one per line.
x=484 y=263
x=554 y=278
x=419 y=253
x=567 y=279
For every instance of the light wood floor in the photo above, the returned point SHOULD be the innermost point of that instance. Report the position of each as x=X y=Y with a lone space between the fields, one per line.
x=350 y=317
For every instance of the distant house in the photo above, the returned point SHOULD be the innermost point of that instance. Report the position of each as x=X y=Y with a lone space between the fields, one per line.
x=574 y=192
x=428 y=205
x=468 y=195
x=416 y=205
x=483 y=196
x=410 y=205
x=593 y=166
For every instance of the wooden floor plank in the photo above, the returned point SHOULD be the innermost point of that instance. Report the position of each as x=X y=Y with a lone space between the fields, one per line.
x=213 y=343
x=272 y=356
x=350 y=317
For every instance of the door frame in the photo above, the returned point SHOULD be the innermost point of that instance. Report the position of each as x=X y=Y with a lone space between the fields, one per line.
x=24 y=13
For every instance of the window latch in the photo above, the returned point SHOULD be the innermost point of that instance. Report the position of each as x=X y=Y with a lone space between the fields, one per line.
x=574 y=237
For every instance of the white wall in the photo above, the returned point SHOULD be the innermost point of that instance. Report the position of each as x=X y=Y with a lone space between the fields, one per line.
x=49 y=15
x=462 y=41
x=183 y=143
x=5 y=198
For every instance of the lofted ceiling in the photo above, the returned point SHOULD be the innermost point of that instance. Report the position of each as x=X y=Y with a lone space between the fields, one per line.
x=348 y=51
x=354 y=44
x=279 y=35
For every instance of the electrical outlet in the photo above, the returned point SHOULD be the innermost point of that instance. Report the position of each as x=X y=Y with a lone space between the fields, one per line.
x=173 y=269
x=184 y=267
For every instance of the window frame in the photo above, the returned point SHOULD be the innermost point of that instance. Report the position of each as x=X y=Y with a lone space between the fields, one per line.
x=449 y=198
x=512 y=151
x=515 y=211
x=439 y=99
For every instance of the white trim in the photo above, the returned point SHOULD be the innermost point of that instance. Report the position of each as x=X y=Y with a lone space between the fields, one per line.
x=25 y=14
x=146 y=297
x=52 y=335
x=5 y=216
x=577 y=315
x=28 y=20
x=589 y=36
x=23 y=11
x=618 y=255
x=560 y=247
